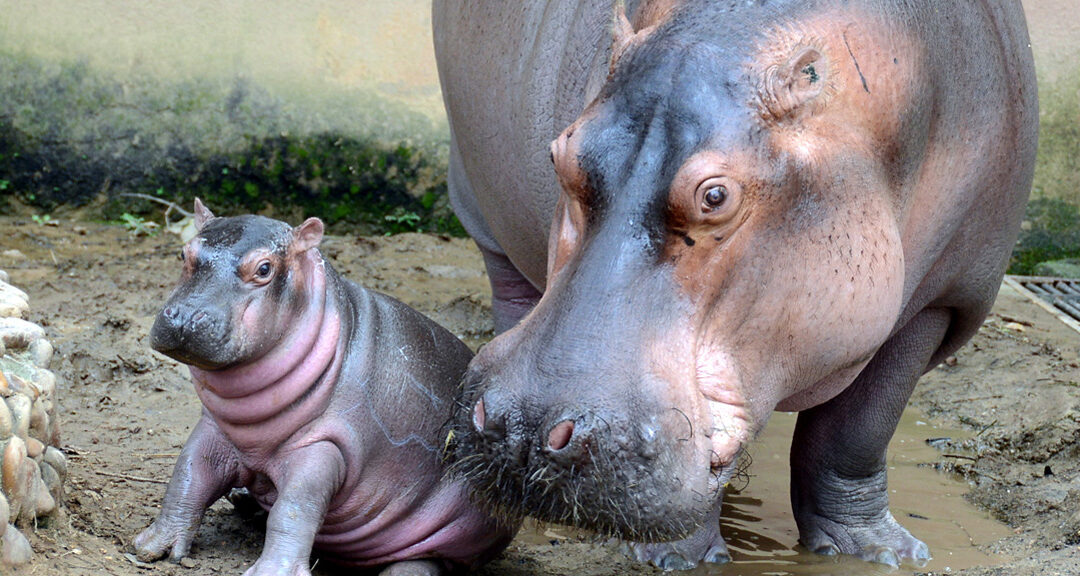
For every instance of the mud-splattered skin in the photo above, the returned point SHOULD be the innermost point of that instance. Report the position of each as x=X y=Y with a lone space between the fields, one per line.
x=764 y=205
x=325 y=400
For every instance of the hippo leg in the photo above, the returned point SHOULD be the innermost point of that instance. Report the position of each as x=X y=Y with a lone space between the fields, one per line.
x=512 y=295
x=704 y=545
x=414 y=568
x=315 y=473
x=206 y=469
x=838 y=478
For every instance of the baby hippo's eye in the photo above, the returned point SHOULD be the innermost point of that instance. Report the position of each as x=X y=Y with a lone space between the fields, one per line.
x=264 y=270
x=714 y=197
x=181 y=255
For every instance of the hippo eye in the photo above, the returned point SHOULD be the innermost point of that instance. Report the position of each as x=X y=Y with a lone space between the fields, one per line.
x=714 y=196
x=264 y=270
x=181 y=255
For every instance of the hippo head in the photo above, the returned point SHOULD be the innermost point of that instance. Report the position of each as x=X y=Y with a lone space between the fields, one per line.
x=725 y=244
x=243 y=283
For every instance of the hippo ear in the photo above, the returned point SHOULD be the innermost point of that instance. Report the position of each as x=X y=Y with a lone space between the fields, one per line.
x=307 y=235
x=202 y=214
x=790 y=87
x=622 y=32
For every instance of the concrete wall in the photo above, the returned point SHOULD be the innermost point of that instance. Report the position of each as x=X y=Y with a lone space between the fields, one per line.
x=298 y=48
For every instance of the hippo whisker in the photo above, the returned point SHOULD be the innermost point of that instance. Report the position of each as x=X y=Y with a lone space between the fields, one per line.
x=688 y=422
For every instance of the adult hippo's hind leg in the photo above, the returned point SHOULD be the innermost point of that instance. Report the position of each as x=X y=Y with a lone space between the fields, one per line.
x=512 y=295
x=704 y=545
x=838 y=479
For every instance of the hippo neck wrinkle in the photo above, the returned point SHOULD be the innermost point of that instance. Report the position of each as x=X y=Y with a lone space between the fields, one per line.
x=288 y=384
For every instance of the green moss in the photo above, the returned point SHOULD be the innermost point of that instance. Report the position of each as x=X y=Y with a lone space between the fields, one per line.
x=1051 y=231
x=69 y=135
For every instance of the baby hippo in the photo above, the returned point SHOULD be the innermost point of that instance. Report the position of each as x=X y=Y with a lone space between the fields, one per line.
x=323 y=399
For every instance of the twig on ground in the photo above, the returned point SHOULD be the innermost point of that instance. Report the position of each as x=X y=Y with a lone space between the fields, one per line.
x=129 y=477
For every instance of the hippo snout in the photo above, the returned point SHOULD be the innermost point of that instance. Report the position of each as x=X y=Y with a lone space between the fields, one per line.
x=565 y=438
x=572 y=460
x=192 y=335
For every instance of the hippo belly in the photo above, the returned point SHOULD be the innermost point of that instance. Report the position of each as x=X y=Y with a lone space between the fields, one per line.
x=694 y=213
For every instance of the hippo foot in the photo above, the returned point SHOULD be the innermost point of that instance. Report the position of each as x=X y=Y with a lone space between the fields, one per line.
x=413 y=568
x=886 y=542
x=705 y=545
x=284 y=567
x=165 y=538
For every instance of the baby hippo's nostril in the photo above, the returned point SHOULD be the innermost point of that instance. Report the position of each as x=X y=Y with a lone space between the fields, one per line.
x=478 y=416
x=560 y=434
x=170 y=312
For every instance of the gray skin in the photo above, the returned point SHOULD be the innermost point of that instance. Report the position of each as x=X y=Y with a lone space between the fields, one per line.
x=326 y=401
x=754 y=206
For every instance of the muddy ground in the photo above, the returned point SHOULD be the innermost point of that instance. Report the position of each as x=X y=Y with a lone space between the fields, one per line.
x=127 y=410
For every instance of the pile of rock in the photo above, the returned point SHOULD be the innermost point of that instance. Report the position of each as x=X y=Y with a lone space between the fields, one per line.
x=32 y=467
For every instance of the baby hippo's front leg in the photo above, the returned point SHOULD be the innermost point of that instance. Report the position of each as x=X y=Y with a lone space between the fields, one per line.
x=311 y=477
x=206 y=469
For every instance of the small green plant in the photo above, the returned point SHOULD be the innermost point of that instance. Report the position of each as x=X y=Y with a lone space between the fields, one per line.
x=41 y=220
x=402 y=220
x=4 y=184
x=137 y=226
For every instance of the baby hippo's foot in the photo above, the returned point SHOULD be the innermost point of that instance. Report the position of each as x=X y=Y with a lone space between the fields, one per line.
x=884 y=542
x=166 y=536
x=705 y=545
x=414 y=568
x=282 y=567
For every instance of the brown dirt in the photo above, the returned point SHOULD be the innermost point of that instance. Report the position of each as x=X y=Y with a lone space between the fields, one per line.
x=127 y=410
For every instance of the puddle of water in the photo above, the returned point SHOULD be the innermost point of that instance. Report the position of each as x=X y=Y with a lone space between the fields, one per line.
x=761 y=534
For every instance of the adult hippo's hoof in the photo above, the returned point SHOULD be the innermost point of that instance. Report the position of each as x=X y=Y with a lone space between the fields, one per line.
x=883 y=542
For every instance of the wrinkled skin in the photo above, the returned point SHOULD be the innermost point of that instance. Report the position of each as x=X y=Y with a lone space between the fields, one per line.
x=754 y=206
x=325 y=400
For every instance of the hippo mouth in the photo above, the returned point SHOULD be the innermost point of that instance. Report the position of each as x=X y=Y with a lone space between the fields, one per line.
x=619 y=481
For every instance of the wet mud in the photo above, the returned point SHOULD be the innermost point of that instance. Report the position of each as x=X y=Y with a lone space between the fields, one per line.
x=996 y=493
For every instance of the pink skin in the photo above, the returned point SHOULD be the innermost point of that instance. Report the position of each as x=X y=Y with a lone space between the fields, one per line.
x=290 y=426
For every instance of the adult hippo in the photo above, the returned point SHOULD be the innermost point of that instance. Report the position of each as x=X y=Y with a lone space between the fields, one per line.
x=757 y=206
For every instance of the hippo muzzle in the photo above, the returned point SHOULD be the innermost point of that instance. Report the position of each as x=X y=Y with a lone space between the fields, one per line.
x=192 y=334
x=610 y=442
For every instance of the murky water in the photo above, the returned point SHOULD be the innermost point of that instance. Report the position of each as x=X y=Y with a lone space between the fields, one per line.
x=763 y=539
x=761 y=534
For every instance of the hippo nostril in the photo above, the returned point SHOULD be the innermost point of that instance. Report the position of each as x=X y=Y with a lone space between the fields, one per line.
x=170 y=312
x=560 y=434
x=478 y=416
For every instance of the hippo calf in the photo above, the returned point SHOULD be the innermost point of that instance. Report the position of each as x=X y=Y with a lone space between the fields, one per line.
x=325 y=400
x=799 y=205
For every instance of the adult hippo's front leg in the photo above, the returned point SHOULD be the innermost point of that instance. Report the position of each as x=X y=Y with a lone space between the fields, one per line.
x=838 y=479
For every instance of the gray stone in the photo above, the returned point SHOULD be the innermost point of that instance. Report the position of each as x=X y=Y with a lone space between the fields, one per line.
x=17 y=333
x=13 y=302
x=16 y=548
x=41 y=353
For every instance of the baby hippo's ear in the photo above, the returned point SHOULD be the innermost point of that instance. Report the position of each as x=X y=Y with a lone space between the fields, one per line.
x=307 y=235
x=202 y=214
